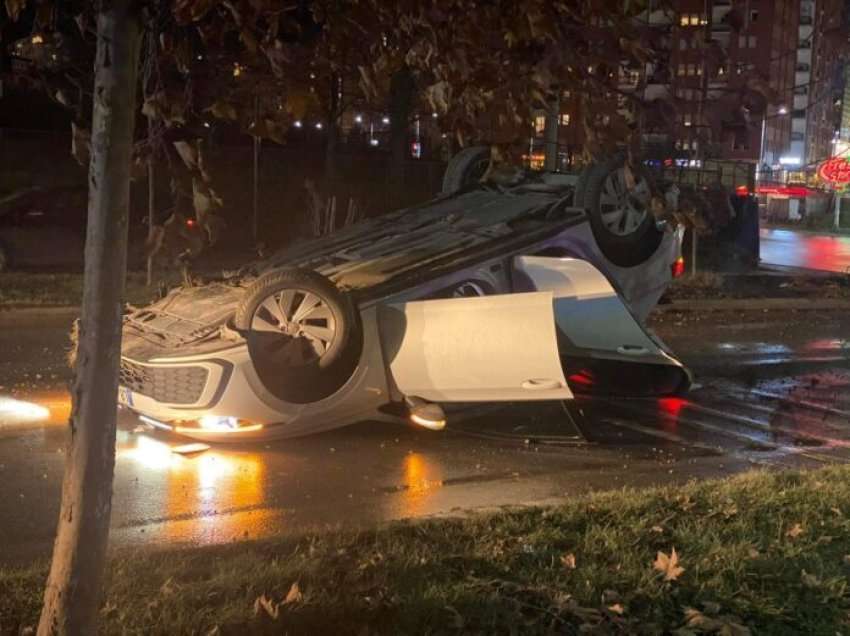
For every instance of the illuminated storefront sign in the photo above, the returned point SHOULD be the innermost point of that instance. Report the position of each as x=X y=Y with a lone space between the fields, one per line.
x=835 y=171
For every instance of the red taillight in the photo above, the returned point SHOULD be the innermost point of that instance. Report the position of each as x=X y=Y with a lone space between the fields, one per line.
x=678 y=267
x=190 y=222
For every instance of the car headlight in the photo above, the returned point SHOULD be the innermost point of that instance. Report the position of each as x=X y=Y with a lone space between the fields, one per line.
x=219 y=424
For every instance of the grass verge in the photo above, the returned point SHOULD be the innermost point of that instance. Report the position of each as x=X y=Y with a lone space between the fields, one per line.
x=763 y=553
x=46 y=289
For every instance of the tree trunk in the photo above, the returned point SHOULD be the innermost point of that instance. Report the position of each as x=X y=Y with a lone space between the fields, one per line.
x=72 y=595
x=550 y=134
x=402 y=88
x=332 y=133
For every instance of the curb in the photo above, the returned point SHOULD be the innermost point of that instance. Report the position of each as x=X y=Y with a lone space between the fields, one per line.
x=33 y=315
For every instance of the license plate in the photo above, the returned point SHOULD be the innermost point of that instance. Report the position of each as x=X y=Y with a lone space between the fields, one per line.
x=125 y=396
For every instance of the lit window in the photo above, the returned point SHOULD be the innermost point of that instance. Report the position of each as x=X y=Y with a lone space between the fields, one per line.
x=686 y=120
x=683 y=20
x=692 y=69
x=686 y=145
x=565 y=119
x=699 y=69
x=681 y=69
x=695 y=19
x=539 y=123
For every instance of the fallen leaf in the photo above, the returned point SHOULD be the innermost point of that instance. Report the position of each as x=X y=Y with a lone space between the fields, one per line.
x=616 y=608
x=569 y=561
x=810 y=580
x=668 y=565
x=698 y=623
x=794 y=531
x=168 y=588
x=657 y=529
x=710 y=608
x=294 y=595
x=265 y=604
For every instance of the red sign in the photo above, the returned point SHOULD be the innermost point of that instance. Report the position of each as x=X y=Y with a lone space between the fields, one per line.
x=835 y=171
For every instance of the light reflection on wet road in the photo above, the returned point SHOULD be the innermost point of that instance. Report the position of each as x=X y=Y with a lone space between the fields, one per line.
x=789 y=248
x=767 y=398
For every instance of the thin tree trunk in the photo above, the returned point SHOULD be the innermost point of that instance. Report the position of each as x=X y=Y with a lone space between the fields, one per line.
x=151 y=205
x=402 y=87
x=255 y=201
x=332 y=134
x=550 y=134
x=72 y=595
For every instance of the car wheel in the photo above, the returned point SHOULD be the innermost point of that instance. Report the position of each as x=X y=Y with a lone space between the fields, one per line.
x=303 y=334
x=622 y=222
x=466 y=168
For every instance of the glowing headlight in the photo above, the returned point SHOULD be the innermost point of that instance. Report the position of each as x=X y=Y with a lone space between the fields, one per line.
x=219 y=424
x=18 y=410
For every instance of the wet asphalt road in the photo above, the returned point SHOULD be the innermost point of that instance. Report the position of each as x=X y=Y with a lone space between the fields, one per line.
x=805 y=249
x=772 y=391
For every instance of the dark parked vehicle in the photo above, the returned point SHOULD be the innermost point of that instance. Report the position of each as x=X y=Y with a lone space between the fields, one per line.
x=43 y=228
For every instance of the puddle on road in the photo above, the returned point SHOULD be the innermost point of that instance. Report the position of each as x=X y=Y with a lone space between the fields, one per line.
x=805 y=416
x=215 y=495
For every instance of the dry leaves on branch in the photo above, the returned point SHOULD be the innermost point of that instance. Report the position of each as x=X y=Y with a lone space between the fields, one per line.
x=668 y=565
x=569 y=561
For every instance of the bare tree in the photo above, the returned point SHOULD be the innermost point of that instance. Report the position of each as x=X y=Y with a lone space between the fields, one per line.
x=72 y=595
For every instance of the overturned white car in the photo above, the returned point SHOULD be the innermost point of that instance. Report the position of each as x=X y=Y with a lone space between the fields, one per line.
x=536 y=291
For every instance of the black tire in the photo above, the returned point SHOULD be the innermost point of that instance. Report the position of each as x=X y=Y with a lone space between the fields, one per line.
x=292 y=358
x=624 y=246
x=466 y=168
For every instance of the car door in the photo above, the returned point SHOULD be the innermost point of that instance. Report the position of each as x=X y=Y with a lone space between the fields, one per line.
x=475 y=349
x=603 y=348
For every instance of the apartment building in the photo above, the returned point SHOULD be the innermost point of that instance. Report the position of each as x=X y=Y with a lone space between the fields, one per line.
x=756 y=81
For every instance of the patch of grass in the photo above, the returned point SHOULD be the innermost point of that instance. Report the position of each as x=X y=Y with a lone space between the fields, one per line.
x=762 y=553
x=45 y=289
